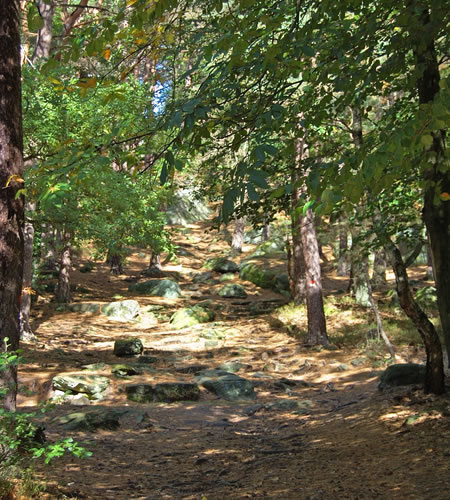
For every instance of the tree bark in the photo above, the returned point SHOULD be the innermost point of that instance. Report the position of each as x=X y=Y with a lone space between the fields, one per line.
x=26 y=333
x=266 y=230
x=379 y=270
x=434 y=380
x=63 y=292
x=238 y=236
x=115 y=262
x=317 y=330
x=436 y=213
x=45 y=34
x=11 y=205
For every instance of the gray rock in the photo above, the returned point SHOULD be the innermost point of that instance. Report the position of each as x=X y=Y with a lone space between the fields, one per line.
x=227 y=277
x=93 y=420
x=176 y=391
x=191 y=369
x=157 y=288
x=147 y=360
x=358 y=361
x=75 y=383
x=221 y=265
x=140 y=393
x=190 y=316
x=169 y=392
x=125 y=370
x=232 y=290
x=232 y=366
x=187 y=208
x=402 y=374
x=203 y=277
x=126 y=310
x=83 y=307
x=128 y=347
x=226 y=385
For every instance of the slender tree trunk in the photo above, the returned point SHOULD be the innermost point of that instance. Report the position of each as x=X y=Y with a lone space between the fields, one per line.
x=430 y=273
x=342 y=269
x=26 y=333
x=50 y=239
x=238 y=236
x=63 y=292
x=298 y=279
x=434 y=380
x=11 y=205
x=317 y=330
x=436 y=213
x=266 y=230
x=379 y=270
x=45 y=34
x=155 y=261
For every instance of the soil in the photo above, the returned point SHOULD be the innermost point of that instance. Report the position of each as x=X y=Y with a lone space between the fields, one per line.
x=350 y=441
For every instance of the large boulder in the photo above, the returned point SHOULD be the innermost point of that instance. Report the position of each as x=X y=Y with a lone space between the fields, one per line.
x=131 y=346
x=190 y=316
x=126 y=310
x=232 y=290
x=402 y=374
x=221 y=265
x=226 y=385
x=265 y=277
x=187 y=208
x=157 y=288
x=108 y=419
x=81 y=383
x=271 y=248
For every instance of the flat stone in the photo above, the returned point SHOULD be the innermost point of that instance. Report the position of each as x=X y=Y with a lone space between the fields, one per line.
x=157 y=288
x=75 y=383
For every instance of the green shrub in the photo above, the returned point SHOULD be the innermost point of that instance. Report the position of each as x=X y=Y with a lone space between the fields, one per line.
x=23 y=440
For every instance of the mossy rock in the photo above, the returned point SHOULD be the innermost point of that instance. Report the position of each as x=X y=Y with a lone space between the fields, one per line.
x=128 y=347
x=91 y=421
x=190 y=316
x=171 y=392
x=402 y=374
x=126 y=310
x=125 y=370
x=81 y=383
x=265 y=278
x=232 y=290
x=157 y=288
x=221 y=265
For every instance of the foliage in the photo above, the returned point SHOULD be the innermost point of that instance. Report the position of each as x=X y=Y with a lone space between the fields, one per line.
x=22 y=440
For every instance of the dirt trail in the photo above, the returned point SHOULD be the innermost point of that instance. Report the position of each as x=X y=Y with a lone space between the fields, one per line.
x=348 y=440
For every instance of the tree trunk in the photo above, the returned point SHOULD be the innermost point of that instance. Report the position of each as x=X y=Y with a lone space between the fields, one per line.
x=44 y=37
x=266 y=230
x=434 y=380
x=379 y=270
x=11 y=205
x=26 y=333
x=238 y=236
x=63 y=293
x=436 y=213
x=359 y=272
x=342 y=269
x=115 y=262
x=298 y=283
x=155 y=261
x=430 y=273
x=317 y=330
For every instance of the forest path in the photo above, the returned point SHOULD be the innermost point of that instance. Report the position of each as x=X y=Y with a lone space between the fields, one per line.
x=344 y=440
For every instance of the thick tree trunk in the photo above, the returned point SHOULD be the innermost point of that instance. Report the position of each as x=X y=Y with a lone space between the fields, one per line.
x=11 y=205
x=26 y=333
x=115 y=261
x=436 y=213
x=379 y=270
x=44 y=37
x=434 y=380
x=238 y=236
x=63 y=292
x=342 y=269
x=317 y=330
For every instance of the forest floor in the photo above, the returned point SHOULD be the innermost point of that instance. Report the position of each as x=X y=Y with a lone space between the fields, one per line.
x=347 y=441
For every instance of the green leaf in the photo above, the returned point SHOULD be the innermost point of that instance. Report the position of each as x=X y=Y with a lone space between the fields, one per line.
x=278 y=193
x=252 y=194
x=35 y=21
x=258 y=178
x=427 y=141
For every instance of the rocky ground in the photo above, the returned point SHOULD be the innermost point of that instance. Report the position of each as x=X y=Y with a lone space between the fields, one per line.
x=265 y=417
